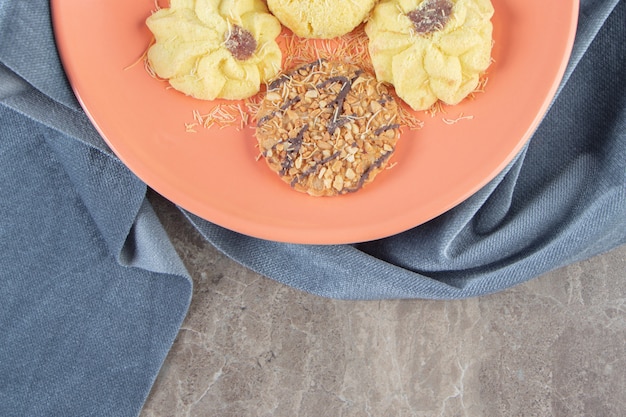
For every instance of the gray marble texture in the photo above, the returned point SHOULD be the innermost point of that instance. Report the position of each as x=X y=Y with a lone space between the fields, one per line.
x=554 y=346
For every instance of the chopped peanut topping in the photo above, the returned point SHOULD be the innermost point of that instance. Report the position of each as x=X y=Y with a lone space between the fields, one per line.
x=333 y=129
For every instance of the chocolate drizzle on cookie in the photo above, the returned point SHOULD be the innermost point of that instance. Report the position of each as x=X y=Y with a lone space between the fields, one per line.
x=338 y=119
x=240 y=43
x=375 y=165
x=300 y=70
x=431 y=16
x=327 y=128
x=291 y=147
x=385 y=128
x=315 y=169
x=282 y=108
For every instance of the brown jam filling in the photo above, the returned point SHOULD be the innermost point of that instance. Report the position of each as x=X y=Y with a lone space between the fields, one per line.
x=240 y=43
x=431 y=16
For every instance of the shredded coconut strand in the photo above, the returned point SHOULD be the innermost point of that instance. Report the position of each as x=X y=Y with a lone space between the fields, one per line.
x=458 y=119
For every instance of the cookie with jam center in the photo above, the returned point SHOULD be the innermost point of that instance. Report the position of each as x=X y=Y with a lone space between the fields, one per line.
x=215 y=49
x=431 y=50
x=327 y=128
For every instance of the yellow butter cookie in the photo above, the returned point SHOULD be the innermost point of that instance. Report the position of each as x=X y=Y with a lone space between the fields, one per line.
x=212 y=49
x=431 y=50
x=321 y=19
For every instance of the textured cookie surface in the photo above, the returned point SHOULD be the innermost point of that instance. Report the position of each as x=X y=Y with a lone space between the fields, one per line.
x=327 y=128
x=322 y=19
x=212 y=49
x=431 y=50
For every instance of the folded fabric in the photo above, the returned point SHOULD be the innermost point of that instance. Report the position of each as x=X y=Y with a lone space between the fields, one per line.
x=93 y=292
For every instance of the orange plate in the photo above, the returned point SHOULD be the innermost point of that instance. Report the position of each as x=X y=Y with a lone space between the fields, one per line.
x=214 y=173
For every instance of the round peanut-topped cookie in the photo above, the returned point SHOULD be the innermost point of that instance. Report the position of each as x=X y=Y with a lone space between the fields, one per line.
x=212 y=49
x=431 y=50
x=327 y=128
x=321 y=19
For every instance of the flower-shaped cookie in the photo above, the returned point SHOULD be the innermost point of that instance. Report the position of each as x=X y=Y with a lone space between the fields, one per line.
x=431 y=49
x=212 y=49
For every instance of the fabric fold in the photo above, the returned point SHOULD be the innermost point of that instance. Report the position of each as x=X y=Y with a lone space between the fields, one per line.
x=81 y=333
x=28 y=48
x=93 y=292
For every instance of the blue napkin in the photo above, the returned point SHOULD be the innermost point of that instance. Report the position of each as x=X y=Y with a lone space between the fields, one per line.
x=93 y=293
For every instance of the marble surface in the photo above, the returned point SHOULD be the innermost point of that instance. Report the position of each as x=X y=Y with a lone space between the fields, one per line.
x=555 y=346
